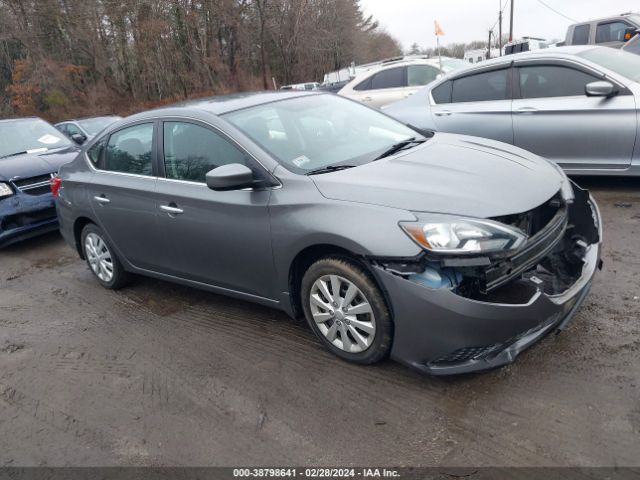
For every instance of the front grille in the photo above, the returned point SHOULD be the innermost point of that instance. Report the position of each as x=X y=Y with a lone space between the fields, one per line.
x=38 y=185
x=533 y=221
x=463 y=355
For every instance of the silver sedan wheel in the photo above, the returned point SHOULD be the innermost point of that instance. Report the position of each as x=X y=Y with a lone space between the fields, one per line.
x=342 y=313
x=99 y=257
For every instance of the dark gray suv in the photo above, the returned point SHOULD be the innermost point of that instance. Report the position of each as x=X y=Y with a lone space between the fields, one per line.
x=450 y=253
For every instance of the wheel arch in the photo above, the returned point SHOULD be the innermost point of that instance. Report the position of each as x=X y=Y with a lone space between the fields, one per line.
x=310 y=254
x=78 y=226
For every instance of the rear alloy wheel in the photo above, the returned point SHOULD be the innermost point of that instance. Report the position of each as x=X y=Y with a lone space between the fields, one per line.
x=346 y=310
x=101 y=259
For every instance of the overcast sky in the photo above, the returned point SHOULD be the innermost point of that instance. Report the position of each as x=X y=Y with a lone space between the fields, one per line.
x=465 y=20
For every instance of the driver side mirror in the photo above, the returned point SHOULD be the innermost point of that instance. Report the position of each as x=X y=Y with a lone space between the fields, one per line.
x=600 y=89
x=233 y=176
x=78 y=138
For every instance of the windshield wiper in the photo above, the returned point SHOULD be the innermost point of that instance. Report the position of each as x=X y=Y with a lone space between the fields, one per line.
x=329 y=168
x=35 y=150
x=399 y=146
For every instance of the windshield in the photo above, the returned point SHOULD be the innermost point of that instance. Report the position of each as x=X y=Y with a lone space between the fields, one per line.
x=95 y=125
x=309 y=133
x=623 y=63
x=633 y=45
x=29 y=134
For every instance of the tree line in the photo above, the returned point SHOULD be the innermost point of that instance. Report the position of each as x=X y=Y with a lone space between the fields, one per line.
x=65 y=58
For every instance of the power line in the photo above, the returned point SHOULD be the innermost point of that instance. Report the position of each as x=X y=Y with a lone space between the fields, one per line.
x=556 y=11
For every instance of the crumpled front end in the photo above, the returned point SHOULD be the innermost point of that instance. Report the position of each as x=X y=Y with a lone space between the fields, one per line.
x=458 y=314
x=29 y=211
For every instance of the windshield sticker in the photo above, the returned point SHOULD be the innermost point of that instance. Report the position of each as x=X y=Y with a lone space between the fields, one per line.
x=300 y=161
x=48 y=139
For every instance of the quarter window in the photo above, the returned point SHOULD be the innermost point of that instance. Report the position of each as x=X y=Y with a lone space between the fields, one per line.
x=190 y=151
x=442 y=93
x=418 y=75
x=580 y=35
x=129 y=150
x=392 y=78
x=552 y=81
x=481 y=87
x=611 y=32
x=95 y=153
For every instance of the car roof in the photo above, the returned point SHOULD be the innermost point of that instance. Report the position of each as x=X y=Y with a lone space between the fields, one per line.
x=557 y=52
x=88 y=118
x=219 y=105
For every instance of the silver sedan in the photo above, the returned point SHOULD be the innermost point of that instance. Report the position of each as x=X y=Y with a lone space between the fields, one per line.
x=577 y=106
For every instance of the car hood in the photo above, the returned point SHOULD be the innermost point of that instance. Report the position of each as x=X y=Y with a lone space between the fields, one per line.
x=451 y=174
x=32 y=165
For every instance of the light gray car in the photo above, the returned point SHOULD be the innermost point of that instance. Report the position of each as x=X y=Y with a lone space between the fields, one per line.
x=450 y=253
x=577 y=106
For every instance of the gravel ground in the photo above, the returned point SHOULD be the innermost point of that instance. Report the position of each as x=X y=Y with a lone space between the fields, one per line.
x=158 y=374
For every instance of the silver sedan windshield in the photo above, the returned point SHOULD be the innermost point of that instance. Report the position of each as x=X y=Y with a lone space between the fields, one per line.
x=307 y=133
x=623 y=63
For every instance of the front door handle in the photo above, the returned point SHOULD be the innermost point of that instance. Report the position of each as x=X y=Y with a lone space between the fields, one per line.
x=367 y=99
x=525 y=110
x=171 y=209
x=442 y=113
x=102 y=199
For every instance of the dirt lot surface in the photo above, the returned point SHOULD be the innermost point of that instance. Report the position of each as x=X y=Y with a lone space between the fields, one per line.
x=157 y=374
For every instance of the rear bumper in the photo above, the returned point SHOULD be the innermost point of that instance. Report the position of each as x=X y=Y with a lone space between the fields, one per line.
x=440 y=332
x=23 y=216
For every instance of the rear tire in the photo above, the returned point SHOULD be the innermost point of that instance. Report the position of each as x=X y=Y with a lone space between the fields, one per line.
x=346 y=310
x=102 y=259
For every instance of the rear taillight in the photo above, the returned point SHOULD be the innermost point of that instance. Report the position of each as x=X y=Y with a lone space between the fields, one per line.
x=55 y=183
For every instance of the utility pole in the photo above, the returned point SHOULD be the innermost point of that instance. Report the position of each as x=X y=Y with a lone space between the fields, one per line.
x=500 y=29
x=489 y=45
x=511 y=24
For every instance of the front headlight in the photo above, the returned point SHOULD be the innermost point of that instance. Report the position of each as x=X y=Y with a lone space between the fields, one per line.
x=5 y=190
x=464 y=235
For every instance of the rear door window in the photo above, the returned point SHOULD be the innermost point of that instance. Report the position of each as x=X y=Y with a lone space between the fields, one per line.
x=392 y=78
x=580 y=35
x=129 y=150
x=481 y=87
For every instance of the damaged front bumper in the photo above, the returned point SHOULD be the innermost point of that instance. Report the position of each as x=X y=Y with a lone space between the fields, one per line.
x=23 y=216
x=452 y=330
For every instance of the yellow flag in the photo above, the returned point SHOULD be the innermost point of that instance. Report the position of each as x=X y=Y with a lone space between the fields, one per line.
x=439 y=31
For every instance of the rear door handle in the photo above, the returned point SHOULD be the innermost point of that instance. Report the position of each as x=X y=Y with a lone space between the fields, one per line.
x=102 y=199
x=171 y=210
x=367 y=99
x=442 y=113
x=525 y=110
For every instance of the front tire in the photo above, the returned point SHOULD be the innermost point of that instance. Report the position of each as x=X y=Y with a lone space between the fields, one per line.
x=346 y=310
x=102 y=260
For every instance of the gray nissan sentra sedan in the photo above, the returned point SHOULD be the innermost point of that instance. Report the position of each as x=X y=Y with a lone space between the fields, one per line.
x=449 y=253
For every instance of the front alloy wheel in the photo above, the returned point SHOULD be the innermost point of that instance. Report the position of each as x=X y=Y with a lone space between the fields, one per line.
x=342 y=313
x=346 y=309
